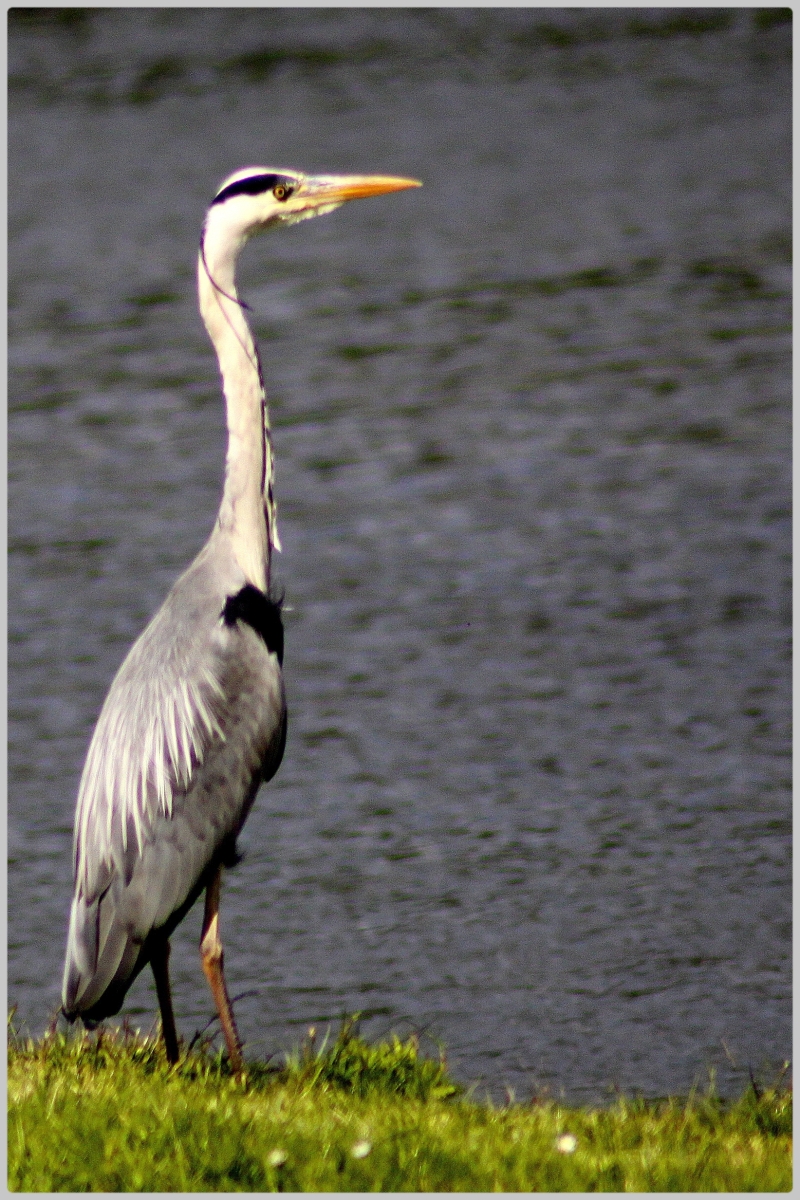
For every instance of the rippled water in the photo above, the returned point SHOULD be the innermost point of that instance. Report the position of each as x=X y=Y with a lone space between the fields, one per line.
x=532 y=435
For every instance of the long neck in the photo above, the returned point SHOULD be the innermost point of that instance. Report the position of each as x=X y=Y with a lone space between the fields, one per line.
x=247 y=511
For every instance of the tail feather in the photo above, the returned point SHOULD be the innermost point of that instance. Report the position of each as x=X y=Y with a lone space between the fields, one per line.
x=107 y=945
x=100 y=952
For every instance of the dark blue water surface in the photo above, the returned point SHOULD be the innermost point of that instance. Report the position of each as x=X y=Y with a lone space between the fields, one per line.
x=532 y=429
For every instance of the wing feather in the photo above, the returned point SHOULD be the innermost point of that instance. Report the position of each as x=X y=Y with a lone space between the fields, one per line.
x=153 y=732
x=194 y=719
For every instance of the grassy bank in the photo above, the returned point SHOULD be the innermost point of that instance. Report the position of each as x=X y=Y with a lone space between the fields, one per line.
x=107 y=1113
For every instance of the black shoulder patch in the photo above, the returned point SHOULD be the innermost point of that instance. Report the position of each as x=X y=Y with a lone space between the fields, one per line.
x=260 y=613
x=251 y=185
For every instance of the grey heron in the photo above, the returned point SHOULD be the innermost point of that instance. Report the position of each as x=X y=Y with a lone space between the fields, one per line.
x=195 y=719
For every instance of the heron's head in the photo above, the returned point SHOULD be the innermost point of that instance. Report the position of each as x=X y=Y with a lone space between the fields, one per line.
x=258 y=198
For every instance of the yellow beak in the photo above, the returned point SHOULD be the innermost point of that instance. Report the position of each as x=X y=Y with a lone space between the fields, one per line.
x=335 y=189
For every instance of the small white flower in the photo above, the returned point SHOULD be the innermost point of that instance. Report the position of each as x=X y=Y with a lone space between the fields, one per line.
x=276 y=1158
x=566 y=1143
x=361 y=1149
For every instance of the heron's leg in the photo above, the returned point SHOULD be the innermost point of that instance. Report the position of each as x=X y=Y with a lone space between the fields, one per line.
x=212 y=958
x=160 y=964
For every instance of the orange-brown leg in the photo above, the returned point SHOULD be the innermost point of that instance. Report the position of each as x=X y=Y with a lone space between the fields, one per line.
x=159 y=961
x=212 y=956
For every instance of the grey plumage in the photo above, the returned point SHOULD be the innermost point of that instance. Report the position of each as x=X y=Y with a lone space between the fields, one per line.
x=193 y=722
x=195 y=718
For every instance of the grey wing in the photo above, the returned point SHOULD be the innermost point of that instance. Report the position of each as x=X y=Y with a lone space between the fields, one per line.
x=193 y=721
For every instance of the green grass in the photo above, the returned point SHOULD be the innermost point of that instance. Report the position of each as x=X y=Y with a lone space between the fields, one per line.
x=106 y=1113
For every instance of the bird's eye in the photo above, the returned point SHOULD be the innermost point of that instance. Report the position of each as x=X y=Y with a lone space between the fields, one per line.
x=282 y=191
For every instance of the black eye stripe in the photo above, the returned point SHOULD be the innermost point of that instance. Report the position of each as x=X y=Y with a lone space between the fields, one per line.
x=251 y=185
